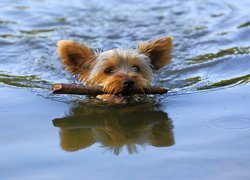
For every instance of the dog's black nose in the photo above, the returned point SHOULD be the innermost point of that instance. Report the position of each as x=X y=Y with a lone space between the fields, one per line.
x=128 y=83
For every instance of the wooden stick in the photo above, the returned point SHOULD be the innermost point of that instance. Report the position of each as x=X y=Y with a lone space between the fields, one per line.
x=97 y=90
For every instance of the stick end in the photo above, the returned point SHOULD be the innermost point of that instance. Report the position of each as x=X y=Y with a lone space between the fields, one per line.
x=56 y=87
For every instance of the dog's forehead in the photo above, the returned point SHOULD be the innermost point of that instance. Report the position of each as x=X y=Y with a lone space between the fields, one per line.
x=121 y=55
x=106 y=55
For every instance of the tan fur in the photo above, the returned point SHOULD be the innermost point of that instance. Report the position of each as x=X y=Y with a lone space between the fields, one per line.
x=77 y=58
x=159 y=51
x=124 y=65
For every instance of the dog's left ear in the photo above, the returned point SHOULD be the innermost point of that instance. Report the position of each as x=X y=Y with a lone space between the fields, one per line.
x=158 y=50
x=78 y=58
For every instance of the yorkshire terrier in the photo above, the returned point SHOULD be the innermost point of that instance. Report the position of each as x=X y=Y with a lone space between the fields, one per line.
x=116 y=70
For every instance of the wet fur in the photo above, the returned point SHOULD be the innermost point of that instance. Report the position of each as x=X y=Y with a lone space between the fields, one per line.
x=112 y=68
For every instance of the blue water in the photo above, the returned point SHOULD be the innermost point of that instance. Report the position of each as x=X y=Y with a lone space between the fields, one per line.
x=199 y=130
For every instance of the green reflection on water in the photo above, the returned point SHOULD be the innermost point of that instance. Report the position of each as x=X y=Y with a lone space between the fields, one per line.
x=217 y=15
x=238 y=80
x=38 y=31
x=10 y=36
x=7 y=22
x=200 y=28
x=22 y=7
x=184 y=83
x=221 y=53
x=62 y=20
x=246 y=24
x=114 y=128
x=22 y=81
x=223 y=33
x=193 y=80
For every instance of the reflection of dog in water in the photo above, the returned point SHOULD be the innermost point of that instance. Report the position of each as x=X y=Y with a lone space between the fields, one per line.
x=114 y=128
x=116 y=70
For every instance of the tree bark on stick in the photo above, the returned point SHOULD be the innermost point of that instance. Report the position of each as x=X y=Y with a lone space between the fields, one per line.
x=98 y=90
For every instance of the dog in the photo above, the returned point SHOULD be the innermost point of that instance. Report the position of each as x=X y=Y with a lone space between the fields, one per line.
x=116 y=70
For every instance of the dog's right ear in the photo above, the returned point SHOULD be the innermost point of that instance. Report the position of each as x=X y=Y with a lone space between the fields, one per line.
x=158 y=51
x=76 y=57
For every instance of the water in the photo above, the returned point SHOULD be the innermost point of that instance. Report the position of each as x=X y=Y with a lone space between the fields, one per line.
x=199 y=130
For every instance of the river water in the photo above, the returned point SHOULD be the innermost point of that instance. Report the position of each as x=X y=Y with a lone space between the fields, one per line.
x=199 y=130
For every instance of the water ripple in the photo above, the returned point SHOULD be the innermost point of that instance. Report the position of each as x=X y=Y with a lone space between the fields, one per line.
x=229 y=123
x=211 y=48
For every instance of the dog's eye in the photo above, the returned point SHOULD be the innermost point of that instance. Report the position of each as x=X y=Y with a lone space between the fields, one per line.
x=136 y=68
x=108 y=70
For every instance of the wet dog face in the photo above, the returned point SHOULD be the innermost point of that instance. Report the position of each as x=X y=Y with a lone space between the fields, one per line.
x=117 y=70
x=120 y=70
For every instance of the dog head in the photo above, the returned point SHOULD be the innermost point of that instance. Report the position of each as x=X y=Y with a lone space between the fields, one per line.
x=116 y=70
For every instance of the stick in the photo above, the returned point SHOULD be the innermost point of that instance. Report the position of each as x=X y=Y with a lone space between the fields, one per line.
x=97 y=90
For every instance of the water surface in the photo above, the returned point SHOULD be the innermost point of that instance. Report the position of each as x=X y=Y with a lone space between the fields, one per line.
x=199 y=130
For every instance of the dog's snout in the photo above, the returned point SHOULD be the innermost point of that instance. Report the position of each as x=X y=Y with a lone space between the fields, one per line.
x=128 y=83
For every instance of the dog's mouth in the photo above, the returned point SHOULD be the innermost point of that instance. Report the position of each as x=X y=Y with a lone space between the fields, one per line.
x=127 y=87
x=126 y=91
x=130 y=91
